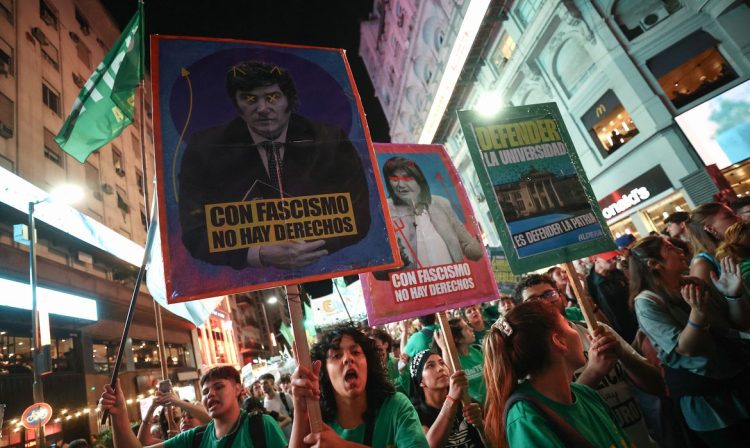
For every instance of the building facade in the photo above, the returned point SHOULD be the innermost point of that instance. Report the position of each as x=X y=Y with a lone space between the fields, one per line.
x=633 y=81
x=48 y=49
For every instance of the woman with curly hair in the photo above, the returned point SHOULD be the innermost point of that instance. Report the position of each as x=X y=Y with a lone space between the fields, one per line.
x=358 y=402
x=530 y=356
x=736 y=245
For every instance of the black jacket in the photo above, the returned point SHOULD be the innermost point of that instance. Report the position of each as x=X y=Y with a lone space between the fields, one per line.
x=222 y=164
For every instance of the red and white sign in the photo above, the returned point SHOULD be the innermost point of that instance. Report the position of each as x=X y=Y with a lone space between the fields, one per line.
x=36 y=415
x=445 y=265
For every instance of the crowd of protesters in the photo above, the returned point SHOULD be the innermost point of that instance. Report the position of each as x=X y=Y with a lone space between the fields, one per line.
x=667 y=365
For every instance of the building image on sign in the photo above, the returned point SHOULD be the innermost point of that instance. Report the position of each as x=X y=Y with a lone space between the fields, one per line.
x=539 y=192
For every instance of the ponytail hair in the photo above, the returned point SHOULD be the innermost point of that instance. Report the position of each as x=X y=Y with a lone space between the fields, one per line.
x=736 y=242
x=516 y=347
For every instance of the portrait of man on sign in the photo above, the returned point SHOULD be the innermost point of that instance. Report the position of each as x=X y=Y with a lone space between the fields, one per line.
x=271 y=188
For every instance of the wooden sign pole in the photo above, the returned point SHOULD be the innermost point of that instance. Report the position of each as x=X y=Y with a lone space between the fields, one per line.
x=450 y=349
x=583 y=298
x=303 y=352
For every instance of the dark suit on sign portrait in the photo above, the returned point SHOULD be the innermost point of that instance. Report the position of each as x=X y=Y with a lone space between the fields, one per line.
x=223 y=164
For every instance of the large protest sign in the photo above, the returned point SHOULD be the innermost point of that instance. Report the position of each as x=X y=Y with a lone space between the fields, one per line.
x=543 y=207
x=266 y=172
x=444 y=262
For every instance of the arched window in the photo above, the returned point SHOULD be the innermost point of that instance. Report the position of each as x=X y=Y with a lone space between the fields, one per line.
x=571 y=62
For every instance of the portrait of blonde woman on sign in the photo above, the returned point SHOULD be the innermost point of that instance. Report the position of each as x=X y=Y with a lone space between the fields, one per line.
x=428 y=230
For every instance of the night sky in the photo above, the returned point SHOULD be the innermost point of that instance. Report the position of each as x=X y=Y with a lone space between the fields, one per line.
x=326 y=23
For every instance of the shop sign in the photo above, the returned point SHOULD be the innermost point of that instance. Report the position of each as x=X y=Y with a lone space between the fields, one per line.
x=643 y=187
x=36 y=415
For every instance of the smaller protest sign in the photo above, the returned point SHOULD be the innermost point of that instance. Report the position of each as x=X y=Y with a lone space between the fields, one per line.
x=345 y=304
x=544 y=209
x=504 y=277
x=444 y=262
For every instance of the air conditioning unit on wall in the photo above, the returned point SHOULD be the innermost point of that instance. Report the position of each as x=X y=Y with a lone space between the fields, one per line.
x=651 y=19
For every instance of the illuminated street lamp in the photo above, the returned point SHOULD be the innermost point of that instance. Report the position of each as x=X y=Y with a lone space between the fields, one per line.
x=489 y=103
x=40 y=335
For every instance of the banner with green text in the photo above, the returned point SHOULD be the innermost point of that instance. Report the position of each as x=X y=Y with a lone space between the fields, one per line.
x=544 y=209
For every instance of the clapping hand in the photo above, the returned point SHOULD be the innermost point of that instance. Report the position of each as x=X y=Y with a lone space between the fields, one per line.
x=696 y=297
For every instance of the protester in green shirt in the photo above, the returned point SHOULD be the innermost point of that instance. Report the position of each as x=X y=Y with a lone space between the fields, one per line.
x=535 y=344
x=437 y=395
x=419 y=340
x=469 y=355
x=359 y=405
x=230 y=426
x=475 y=319
x=383 y=343
x=611 y=371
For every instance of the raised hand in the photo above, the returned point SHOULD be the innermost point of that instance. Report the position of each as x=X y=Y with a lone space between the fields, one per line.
x=730 y=281
x=113 y=400
x=458 y=385
x=305 y=384
x=473 y=414
x=697 y=298
x=604 y=351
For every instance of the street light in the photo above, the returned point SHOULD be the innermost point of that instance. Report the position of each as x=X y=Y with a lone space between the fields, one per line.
x=489 y=103
x=63 y=194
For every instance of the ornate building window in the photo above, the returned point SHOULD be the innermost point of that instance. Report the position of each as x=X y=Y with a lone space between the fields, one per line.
x=609 y=124
x=691 y=69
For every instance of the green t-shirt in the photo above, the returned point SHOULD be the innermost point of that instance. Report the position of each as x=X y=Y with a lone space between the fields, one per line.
x=574 y=313
x=473 y=365
x=588 y=414
x=745 y=271
x=395 y=376
x=274 y=436
x=419 y=341
x=479 y=335
x=396 y=424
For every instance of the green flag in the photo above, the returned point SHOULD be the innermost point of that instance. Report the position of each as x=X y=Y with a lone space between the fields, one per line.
x=309 y=324
x=105 y=105
x=286 y=331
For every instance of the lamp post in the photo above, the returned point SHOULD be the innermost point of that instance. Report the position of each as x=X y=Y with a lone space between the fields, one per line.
x=271 y=344
x=66 y=194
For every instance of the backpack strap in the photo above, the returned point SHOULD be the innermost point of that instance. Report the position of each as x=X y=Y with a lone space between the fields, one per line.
x=369 y=428
x=257 y=431
x=284 y=401
x=198 y=436
x=567 y=433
